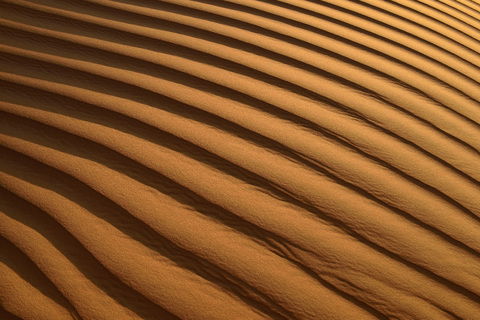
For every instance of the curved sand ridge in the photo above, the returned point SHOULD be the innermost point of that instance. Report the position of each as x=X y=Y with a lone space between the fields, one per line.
x=240 y=159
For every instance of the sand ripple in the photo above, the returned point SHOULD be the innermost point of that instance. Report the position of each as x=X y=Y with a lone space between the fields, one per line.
x=239 y=159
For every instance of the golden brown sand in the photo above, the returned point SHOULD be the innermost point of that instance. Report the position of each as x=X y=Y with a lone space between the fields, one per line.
x=239 y=159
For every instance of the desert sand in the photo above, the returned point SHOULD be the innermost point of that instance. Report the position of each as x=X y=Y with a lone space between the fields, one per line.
x=239 y=159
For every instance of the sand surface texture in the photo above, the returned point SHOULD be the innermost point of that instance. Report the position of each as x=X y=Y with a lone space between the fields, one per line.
x=239 y=159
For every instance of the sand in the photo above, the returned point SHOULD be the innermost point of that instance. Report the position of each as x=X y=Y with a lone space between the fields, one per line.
x=239 y=159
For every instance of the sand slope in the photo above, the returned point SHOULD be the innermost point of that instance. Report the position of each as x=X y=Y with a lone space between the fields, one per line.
x=240 y=159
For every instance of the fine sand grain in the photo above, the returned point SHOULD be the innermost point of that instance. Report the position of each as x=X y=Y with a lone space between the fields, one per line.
x=239 y=159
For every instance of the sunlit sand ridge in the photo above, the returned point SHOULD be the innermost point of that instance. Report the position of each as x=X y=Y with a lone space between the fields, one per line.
x=239 y=159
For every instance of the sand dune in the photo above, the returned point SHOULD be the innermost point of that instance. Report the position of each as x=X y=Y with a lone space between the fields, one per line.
x=240 y=159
